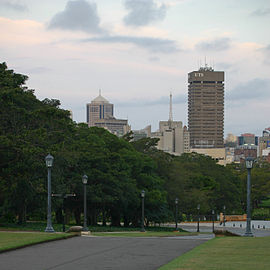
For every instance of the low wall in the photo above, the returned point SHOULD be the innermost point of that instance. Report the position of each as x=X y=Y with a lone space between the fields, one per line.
x=233 y=217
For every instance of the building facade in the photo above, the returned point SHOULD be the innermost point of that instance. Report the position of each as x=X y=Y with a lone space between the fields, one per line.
x=99 y=113
x=206 y=108
x=248 y=138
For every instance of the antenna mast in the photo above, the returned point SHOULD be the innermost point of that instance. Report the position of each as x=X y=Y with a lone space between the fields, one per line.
x=170 y=114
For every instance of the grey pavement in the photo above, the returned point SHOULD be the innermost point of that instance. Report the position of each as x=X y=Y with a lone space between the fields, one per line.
x=261 y=228
x=96 y=253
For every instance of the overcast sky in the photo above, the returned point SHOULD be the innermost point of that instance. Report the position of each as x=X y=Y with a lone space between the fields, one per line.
x=138 y=51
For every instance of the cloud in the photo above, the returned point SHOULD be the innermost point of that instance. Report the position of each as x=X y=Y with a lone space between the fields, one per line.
x=178 y=99
x=266 y=54
x=219 y=44
x=156 y=45
x=14 y=5
x=77 y=16
x=143 y=12
x=256 y=89
x=261 y=12
x=38 y=70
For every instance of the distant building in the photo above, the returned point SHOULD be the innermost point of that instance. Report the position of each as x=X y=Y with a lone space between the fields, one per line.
x=264 y=144
x=206 y=108
x=100 y=114
x=218 y=154
x=206 y=113
x=173 y=137
x=241 y=152
x=247 y=138
x=142 y=133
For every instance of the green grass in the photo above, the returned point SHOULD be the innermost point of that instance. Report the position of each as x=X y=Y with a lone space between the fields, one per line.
x=142 y=234
x=226 y=253
x=30 y=226
x=13 y=240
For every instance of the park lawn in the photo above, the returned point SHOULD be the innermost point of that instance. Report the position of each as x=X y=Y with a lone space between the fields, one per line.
x=142 y=234
x=13 y=240
x=225 y=253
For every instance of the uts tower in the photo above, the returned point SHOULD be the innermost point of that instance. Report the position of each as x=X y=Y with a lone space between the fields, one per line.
x=206 y=108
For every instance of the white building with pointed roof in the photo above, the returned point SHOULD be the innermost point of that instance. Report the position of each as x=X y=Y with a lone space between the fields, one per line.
x=100 y=113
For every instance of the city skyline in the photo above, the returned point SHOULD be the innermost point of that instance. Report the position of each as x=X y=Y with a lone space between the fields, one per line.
x=139 y=51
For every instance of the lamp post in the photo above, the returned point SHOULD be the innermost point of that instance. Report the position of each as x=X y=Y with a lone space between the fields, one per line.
x=142 y=225
x=84 y=180
x=224 y=217
x=176 y=213
x=213 y=220
x=49 y=163
x=198 y=224
x=249 y=165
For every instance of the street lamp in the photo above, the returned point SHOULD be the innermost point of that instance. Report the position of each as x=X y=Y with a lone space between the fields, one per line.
x=84 y=181
x=224 y=217
x=249 y=165
x=198 y=224
x=176 y=213
x=142 y=196
x=49 y=163
x=213 y=219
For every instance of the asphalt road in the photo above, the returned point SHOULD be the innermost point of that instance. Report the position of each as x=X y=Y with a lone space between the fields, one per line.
x=96 y=253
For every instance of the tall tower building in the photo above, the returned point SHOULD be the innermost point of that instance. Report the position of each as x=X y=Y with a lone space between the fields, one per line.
x=98 y=109
x=99 y=113
x=206 y=108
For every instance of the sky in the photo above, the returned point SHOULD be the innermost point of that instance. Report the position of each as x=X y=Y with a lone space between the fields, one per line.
x=138 y=51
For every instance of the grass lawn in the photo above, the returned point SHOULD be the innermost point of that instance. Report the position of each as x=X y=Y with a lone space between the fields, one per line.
x=226 y=253
x=12 y=240
x=142 y=234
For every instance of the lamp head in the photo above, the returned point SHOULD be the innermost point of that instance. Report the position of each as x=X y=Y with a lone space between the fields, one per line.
x=49 y=161
x=176 y=200
x=84 y=179
x=249 y=162
x=198 y=206
x=142 y=193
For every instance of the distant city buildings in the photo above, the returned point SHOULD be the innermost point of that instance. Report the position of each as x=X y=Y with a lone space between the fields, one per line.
x=173 y=137
x=99 y=113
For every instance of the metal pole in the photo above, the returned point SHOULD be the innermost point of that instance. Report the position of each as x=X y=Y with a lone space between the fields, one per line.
x=176 y=212
x=213 y=219
x=142 y=229
x=198 y=223
x=224 y=217
x=248 y=229
x=85 y=229
x=49 y=227
x=63 y=214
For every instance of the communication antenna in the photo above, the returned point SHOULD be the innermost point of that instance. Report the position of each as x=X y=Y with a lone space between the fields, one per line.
x=99 y=91
x=170 y=114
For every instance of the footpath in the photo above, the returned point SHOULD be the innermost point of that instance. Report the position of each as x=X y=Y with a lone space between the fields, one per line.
x=259 y=228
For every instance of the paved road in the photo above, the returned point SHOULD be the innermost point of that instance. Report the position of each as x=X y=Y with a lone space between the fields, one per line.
x=96 y=253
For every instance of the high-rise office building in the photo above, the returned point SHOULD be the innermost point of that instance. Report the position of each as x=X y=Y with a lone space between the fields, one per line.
x=206 y=108
x=99 y=113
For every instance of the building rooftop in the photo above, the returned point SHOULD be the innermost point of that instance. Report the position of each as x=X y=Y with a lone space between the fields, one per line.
x=100 y=99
